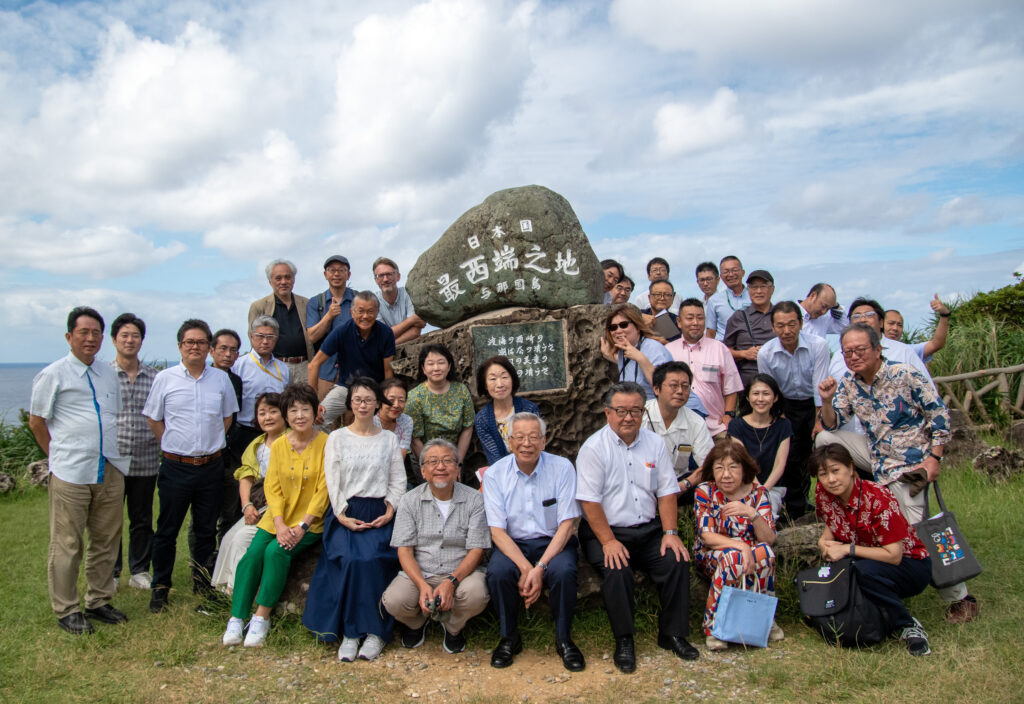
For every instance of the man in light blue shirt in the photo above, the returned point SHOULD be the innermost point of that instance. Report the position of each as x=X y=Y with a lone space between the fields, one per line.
x=728 y=299
x=73 y=416
x=798 y=362
x=530 y=501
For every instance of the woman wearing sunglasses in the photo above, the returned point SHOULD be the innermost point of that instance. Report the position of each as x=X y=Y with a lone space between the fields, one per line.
x=631 y=344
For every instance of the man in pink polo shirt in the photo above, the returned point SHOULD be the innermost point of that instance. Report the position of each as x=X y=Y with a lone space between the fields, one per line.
x=715 y=377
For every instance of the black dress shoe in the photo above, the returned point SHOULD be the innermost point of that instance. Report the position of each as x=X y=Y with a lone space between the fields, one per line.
x=571 y=656
x=75 y=623
x=625 y=654
x=506 y=651
x=158 y=600
x=107 y=614
x=678 y=645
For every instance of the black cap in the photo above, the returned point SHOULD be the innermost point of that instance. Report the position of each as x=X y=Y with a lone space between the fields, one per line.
x=337 y=258
x=761 y=274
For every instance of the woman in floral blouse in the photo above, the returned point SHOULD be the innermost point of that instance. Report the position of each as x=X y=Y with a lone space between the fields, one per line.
x=863 y=521
x=441 y=406
x=735 y=530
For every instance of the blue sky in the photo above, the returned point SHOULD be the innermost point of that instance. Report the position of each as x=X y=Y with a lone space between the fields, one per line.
x=157 y=155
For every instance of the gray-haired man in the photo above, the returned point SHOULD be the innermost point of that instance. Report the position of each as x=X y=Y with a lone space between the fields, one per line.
x=293 y=346
x=441 y=534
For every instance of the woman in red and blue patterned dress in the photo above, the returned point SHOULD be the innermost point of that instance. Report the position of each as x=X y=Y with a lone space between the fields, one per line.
x=735 y=530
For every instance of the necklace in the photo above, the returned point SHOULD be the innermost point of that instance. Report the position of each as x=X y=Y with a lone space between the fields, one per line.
x=761 y=437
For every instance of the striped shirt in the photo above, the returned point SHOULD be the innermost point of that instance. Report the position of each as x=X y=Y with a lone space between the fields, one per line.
x=135 y=438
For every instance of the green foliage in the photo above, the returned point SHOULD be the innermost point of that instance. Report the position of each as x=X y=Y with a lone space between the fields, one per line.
x=18 y=449
x=1005 y=305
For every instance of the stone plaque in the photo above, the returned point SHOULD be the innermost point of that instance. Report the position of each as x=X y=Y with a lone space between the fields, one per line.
x=537 y=350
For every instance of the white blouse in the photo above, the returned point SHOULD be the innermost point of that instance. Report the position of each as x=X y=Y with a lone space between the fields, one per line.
x=363 y=466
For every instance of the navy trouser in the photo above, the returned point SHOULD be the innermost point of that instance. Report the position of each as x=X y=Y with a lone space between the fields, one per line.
x=671 y=577
x=138 y=495
x=560 y=579
x=183 y=486
x=888 y=585
x=795 y=477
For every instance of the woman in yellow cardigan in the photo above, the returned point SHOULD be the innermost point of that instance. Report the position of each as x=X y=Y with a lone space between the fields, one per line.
x=296 y=500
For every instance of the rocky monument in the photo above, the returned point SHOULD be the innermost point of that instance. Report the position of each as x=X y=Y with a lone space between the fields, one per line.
x=516 y=276
x=520 y=247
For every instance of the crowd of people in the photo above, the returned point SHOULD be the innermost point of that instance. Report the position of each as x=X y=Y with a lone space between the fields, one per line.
x=725 y=400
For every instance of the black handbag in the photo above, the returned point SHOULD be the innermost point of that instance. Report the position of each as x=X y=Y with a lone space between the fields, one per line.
x=832 y=603
x=953 y=561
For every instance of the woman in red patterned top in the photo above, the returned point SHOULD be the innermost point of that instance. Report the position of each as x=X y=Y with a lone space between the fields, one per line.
x=863 y=521
x=735 y=530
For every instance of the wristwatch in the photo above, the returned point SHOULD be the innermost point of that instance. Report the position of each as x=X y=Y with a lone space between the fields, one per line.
x=543 y=567
x=671 y=532
x=453 y=579
x=938 y=458
x=304 y=526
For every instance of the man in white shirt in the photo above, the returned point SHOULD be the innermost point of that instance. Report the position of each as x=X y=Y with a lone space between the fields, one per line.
x=627 y=489
x=685 y=433
x=820 y=313
x=893 y=326
x=657 y=270
x=189 y=410
x=396 y=309
x=73 y=416
x=530 y=501
x=798 y=363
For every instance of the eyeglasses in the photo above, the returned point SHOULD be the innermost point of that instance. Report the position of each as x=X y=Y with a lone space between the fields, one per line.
x=264 y=336
x=759 y=287
x=674 y=386
x=195 y=343
x=335 y=270
x=534 y=438
x=856 y=351
x=612 y=327
x=667 y=294
x=363 y=401
x=705 y=279
x=446 y=461
x=864 y=316
x=623 y=412
x=385 y=275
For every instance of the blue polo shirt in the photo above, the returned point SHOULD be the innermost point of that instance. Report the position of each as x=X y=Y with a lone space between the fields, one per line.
x=314 y=315
x=356 y=356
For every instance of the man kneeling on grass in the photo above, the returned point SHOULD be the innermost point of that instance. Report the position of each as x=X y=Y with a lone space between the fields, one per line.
x=441 y=534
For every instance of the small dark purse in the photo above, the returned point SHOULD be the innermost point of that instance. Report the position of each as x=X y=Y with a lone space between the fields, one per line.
x=257 y=496
x=832 y=603
x=953 y=561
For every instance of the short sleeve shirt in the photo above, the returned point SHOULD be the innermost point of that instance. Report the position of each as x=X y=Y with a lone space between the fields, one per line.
x=720 y=307
x=440 y=415
x=530 y=505
x=392 y=315
x=357 y=356
x=762 y=443
x=687 y=435
x=872 y=518
x=738 y=337
x=314 y=314
x=192 y=410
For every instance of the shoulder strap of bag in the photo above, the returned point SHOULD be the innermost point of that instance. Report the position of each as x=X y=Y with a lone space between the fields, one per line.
x=750 y=332
x=938 y=497
x=321 y=299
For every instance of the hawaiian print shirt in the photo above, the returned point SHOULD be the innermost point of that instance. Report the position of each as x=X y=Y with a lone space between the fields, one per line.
x=872 y=518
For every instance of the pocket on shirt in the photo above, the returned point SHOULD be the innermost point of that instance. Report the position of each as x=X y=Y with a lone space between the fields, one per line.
x=709 y=373
x=212 y=404
x=551 y=517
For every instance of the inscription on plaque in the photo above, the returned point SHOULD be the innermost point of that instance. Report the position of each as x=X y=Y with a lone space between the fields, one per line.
x=536 y=349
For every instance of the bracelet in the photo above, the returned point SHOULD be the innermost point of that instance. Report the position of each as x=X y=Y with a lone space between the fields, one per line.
x=247 y=506
x=945 y=315
x=671 y=532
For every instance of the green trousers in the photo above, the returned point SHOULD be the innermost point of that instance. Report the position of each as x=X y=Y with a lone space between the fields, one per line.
x=264 y=567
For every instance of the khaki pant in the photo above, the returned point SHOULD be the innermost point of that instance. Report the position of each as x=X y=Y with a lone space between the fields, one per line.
x=401 y=599
x=855 y=443
x=74 y=510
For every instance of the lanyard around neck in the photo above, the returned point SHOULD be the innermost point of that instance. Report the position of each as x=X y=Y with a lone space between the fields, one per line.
x=279 y=376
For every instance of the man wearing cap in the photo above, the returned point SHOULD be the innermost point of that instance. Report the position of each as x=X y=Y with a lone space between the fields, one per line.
x=327 y=311
x=728 y=299
x=293 y=346
x=751 y=327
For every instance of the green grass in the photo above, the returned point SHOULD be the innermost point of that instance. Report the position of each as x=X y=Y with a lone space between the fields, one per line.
x=177 y=657
x=18 y=449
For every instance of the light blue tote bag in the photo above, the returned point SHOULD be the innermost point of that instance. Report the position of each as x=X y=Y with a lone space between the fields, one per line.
x=744 y=615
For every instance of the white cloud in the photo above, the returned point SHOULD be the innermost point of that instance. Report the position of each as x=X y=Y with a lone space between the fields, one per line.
x=100 y=252
x=416 y=92
x=681 y=128
x=851 y=202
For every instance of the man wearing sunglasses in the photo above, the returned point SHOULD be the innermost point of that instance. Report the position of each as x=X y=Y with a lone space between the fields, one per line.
x=626 y=486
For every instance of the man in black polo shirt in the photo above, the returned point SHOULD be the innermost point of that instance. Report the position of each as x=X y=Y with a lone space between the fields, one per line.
x=362 y=346
x=751 y=327
x=293 y=345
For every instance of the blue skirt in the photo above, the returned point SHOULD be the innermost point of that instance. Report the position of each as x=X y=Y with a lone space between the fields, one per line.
x=354 y=569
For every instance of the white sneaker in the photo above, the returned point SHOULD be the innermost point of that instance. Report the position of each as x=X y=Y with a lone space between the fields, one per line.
x=348 y=649
x=233 y=633
x=257 y=633
x=142 y=580
x=715 y=645
x=371 y=647
x=776 y=633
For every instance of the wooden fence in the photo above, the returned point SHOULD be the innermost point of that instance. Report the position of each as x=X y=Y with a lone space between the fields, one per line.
x=961 y=392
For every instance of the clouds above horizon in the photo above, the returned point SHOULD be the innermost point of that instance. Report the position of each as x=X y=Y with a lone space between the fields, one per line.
x=148 y=143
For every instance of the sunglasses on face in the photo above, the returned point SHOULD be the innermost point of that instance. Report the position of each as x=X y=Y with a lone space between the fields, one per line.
x=612 y=327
